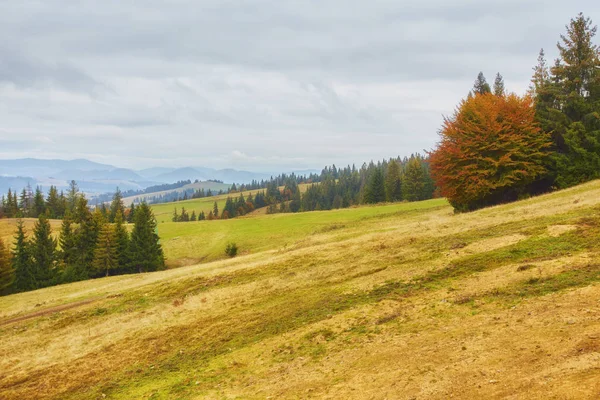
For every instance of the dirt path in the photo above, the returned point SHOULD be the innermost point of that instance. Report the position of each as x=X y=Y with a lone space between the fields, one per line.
x=50 y=310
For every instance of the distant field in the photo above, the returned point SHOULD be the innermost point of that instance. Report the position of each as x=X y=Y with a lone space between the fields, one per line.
x=402 y=301
x=8 y=227
x=206 y=185
x=164 y=211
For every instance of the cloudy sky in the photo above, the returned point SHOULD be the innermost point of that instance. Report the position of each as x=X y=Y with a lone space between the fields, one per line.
x=264 y=85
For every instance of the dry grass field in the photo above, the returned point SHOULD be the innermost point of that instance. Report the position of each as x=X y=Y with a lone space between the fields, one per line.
x=405 y=301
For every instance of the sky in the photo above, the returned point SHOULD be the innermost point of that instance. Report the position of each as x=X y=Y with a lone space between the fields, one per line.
x=261 y=85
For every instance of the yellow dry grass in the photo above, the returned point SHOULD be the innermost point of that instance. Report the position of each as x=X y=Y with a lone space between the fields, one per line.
x=499 y=303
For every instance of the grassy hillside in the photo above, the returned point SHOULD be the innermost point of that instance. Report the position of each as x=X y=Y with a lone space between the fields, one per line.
x=401 y=301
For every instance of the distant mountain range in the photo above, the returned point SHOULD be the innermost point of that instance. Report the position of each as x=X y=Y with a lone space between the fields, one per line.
x=95 y=178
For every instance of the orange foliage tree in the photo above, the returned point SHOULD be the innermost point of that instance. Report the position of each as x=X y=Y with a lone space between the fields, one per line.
x=491 y=151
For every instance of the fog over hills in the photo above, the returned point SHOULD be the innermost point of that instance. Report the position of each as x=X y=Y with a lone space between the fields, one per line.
x=97 y=178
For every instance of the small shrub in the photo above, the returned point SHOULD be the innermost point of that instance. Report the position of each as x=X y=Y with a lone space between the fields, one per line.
x=231 y=249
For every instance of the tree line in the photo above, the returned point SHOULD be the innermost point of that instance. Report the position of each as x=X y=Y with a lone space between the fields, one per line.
x=500 y=147
x=392 y=180
x=90 y=244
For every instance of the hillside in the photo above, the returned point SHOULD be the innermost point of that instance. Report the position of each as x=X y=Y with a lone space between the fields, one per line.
x=164 y=211
x=396 y=301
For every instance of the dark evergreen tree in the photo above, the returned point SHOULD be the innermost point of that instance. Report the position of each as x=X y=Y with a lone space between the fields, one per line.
x=122 y=245
x=499 y=85
x=145 y=249
x=375 y=191
x=105 y=251
x=43 y=253
x=414 y=180
x=21 y=261
x=481 y=86
x=393 y=182
x=116 y=206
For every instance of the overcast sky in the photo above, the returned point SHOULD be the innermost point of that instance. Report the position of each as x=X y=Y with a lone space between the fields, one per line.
x=264 y=85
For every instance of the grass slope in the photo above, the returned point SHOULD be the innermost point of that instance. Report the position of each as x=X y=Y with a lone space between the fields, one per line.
x=399 y=301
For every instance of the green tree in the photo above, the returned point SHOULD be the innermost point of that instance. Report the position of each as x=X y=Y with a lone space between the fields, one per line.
x=145 y=249
x=577 y=86
x=116 y=206
x=414 y=180
x=105 y=252
x=215 y=210
x=481 y=86
x=39 y=204
x=43 y=253
x=122 y=244
x=21 y=261
x=499 y=85
x=375 y=191
x=393 y=182
x=67 y=242
x=53 y=203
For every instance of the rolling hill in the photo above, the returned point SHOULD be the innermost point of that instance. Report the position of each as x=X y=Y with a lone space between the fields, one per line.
x=397 y=301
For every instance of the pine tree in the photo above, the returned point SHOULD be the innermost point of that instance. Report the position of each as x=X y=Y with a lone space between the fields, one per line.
x=393 y=183
x=414 y=180
x=580 y=57
x=122 y=244
x=175 y=217
x=72 y=197
x=43 y=253
x=7 y=272
x=131 y=213
x=67 y=242
x=39 y=204
x=499 y=85
x=193 y=216
x=145 y=249
x=105 y=252
x=577 y=77
x=375 y=191
x=86 y=236
x=215 y=210
x=53 y=203
x=481 y=86
x=21 y=261
x=541 y=75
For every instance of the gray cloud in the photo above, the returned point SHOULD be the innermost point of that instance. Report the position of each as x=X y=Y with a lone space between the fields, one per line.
x=260 y=85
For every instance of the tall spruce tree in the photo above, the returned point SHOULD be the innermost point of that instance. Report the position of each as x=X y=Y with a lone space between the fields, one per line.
x=21 y=261
x=414 y=180
x=122 y=245
x=481 y=86
x=116 y=206
x=499 y=85
x=67 y=242
x=145 y=250
x=393 y=182
x=375 y=191
x=574 y=118
x=43 y=253
x=105 y=252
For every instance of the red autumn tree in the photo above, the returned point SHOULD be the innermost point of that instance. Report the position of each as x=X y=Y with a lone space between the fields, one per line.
x=491 y=151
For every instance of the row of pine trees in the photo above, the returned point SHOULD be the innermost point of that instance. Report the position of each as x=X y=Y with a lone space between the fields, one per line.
x=391 y=180
x=90 y=244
